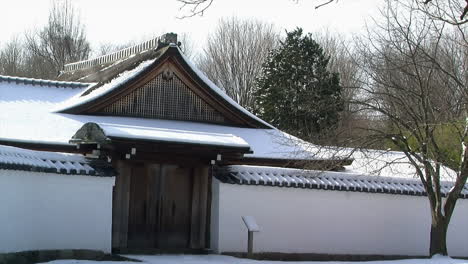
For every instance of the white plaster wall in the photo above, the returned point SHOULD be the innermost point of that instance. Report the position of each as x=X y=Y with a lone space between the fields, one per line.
x=294 y=220
x=42 y=211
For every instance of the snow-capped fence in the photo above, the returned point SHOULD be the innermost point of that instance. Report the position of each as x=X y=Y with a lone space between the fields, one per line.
x=302 y=220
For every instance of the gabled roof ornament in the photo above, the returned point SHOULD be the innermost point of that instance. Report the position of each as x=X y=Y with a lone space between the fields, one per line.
x=89 y=133
x=168 y=38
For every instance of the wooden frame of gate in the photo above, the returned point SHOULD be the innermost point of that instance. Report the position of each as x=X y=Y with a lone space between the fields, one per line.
x=161 y=207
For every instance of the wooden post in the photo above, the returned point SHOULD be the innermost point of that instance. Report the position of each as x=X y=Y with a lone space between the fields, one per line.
x=250 y=244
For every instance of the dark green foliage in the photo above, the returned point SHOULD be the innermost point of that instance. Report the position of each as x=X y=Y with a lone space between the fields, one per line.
x=296 y=93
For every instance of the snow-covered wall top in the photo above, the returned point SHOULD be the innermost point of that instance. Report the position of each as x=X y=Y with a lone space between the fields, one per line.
x=41 y=82
x=337 y=181
x=12 y=158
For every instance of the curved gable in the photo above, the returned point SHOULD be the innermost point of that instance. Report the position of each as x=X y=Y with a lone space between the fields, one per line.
x=164 y=86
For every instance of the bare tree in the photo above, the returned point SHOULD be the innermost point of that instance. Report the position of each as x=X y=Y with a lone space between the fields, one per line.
x=12 y=58
x=451 y=11
x=455 y=10
x=234 y=54
x=62 y=40
x=415 y=84
x=341 y=60
x=198 y=7
x=195 y=7
x=187 y=45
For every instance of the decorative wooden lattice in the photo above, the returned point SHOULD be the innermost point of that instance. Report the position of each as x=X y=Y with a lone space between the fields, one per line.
x=164 y=97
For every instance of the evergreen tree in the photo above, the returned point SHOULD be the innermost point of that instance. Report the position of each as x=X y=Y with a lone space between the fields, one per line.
x=296 y=93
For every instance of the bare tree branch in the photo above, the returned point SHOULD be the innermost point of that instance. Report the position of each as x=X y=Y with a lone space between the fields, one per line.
x=415 y=80
x=195 y=7
x=62 y=40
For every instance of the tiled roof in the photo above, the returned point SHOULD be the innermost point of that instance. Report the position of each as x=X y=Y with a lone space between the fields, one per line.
x=336 y=181
x=124 y=53
x=40 y=82
x=12 y=158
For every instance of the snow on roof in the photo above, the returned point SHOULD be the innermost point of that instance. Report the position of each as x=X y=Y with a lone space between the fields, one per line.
x=172 y=135
x=26 y=116
x=337 y=181
x=92 y=92
x=220 y=92
x=41 y=82
x=12 y=158
x=99 y=90
x=25 y=113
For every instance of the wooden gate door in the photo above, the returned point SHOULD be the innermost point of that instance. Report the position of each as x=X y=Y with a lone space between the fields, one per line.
x=140 y=229
x=175 y=207
x=160 y=206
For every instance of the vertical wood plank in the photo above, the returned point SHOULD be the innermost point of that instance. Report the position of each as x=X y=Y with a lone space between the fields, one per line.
x=120 y=206
x=176 y=195
x=195 y=212
x=154 y=171
x=126 y=173
x=199 y=208
x=208 y=206
x=204 y=175
x=138 y=235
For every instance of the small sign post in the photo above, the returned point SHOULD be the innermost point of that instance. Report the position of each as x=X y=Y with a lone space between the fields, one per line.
x=252 y=227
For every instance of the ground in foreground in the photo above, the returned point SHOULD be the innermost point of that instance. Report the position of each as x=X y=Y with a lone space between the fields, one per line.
x=218 y=259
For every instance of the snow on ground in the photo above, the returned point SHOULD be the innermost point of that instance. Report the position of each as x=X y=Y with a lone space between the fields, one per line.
x=218 y=259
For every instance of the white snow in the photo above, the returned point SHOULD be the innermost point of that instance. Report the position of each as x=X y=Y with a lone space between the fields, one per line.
x=80 y=99
x=173 y=135
x=26 y=116
x=219 y=259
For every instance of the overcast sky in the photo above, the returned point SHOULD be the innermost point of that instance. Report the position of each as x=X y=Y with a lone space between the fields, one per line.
x=120 y=21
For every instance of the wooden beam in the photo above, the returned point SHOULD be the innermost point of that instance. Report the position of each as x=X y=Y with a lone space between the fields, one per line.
x=69 y=148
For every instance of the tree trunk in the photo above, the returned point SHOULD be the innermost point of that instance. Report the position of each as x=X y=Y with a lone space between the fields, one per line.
x=439 y=237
